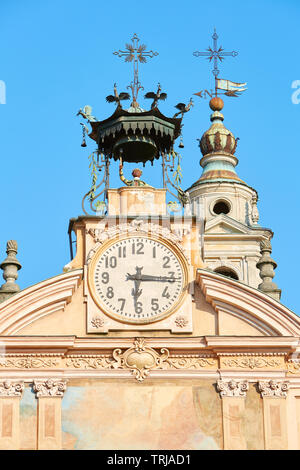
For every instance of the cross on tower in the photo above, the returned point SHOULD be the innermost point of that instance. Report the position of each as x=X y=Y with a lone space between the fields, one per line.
x=215 y=54
x=136 y=53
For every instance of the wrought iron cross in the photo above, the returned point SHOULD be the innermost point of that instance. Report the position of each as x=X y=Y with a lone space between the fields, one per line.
x=215 y=54
x=135 y=53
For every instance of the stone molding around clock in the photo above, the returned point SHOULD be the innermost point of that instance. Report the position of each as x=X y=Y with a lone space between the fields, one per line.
x=273 y=389
x=232 y=388
x=102 y=235
x=11 y=389
x=49 y=388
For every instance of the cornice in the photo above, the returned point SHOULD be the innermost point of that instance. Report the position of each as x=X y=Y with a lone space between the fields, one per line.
x=37 y=301
x=249 y=304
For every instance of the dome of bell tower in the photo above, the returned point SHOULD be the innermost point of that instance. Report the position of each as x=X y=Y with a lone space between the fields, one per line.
x=217 y=139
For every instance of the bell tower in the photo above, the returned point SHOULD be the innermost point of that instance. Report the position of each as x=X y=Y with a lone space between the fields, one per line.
x=139 y=259
x=233 y=240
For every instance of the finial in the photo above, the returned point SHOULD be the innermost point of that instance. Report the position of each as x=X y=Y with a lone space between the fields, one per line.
x=10 y=267
x=135 y=53
x=266 y=266
x=214 y=54
x=137 y=173
x=216 y=103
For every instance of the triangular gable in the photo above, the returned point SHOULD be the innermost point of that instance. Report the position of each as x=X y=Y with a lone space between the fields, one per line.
x=224 y=224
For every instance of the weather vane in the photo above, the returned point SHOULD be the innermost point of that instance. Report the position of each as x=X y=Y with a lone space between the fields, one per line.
x=135 y=53
x=215 y=54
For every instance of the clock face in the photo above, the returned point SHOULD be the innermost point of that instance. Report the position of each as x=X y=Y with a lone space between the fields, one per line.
x=137 y=279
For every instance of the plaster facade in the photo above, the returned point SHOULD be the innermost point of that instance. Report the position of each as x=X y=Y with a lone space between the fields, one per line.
x=230 y=382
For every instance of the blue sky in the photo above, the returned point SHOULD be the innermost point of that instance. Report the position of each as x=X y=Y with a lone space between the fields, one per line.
x=56 y=56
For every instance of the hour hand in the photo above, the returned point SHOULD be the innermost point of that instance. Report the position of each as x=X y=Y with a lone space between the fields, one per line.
x=136 y=292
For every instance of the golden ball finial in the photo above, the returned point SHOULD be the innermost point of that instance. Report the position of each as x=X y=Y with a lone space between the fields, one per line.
x=216 y=103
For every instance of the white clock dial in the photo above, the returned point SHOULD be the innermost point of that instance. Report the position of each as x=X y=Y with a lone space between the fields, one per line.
x=138 y=279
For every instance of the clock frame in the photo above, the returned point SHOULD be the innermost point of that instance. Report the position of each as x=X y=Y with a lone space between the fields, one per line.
x=138 y=322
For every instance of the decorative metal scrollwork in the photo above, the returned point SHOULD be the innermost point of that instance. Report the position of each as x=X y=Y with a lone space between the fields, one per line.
x=99 y=163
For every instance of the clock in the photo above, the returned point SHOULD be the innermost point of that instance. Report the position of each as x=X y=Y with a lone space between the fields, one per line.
x=138 y=279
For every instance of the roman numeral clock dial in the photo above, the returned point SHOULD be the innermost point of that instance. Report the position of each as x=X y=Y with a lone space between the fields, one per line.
x=138 y=279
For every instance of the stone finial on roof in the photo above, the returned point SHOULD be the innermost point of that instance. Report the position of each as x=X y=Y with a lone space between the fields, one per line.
x=266 y=266
x=10 y=267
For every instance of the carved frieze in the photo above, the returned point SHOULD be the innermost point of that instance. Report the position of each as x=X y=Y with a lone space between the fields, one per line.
x=252 y=362
x=273 y=388
x=31 y=361
x=91 y=361
x=190 y=362
x=49 y=388
x=101 y=235
x=106 y=361
x=232 y=388
x=11 y=389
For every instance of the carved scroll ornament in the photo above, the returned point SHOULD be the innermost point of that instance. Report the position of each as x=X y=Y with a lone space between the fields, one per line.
x=140 y=359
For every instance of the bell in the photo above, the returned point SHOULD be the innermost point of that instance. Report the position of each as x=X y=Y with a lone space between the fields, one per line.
x=181 y=145
x=83 y=143
x=136 y=148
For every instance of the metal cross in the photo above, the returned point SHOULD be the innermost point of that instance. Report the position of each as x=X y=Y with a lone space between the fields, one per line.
x=137 y=54
x=215 y=54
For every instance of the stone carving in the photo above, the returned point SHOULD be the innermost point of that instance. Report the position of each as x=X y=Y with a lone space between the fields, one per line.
x=189 y=362
x=273 y=389
x=106 y=361
x=102 y=235
x=49 y=388
x=11 y=389
x=27 y=362
x=293 y=366
x=10 y=268
x=140 y=359
x=232 y=388
x=254 y=210
x=252 y=362
x=266 y=266
x=181 y=321
x=88 y=361
x=97 y=322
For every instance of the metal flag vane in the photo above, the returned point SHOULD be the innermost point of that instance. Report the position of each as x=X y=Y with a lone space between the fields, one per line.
x=135 y=53
x=217 y=53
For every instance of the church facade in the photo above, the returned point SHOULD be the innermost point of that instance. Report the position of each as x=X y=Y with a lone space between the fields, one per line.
x=164 y=331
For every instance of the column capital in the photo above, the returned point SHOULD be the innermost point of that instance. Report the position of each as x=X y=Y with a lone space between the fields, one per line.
x=9 y=388
x=49 y=387
x=273 y=389
x=232 y=388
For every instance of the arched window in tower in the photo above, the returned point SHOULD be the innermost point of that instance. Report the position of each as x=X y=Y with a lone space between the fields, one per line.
x=221 y=207
x=225 y=271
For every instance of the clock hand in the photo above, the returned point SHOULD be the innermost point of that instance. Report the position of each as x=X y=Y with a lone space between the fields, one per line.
x=145 y=277
x=136 y=292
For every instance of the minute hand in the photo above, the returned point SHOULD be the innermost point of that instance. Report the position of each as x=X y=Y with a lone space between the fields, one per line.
x=145 y=277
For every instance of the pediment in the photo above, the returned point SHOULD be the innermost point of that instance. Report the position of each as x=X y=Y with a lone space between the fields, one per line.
x=239 y=305
x=52 y=307
x=42 y=299
x=224 y=224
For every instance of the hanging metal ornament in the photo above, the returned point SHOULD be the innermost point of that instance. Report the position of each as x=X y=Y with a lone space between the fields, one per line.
x=181 y=144
x=83 y=144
